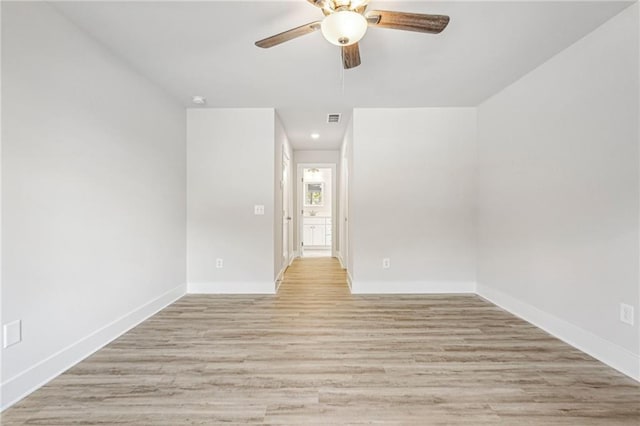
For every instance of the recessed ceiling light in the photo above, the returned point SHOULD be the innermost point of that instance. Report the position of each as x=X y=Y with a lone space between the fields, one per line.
x=315 y=135
x=199 y=100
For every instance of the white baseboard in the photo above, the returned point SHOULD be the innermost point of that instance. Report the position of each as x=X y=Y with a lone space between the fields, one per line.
x=412 y=287
x=350 y=281
x=38 y=375
x=339 y=257
x=232 y=287
x=281 y=273
x=603 y=350
x=280 y=276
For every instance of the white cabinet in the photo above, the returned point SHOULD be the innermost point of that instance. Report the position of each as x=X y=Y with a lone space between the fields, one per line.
x=316 y=231
x=317 y=235
x=307 y=236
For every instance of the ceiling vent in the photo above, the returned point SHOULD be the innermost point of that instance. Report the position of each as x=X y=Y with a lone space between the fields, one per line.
x=333 y=118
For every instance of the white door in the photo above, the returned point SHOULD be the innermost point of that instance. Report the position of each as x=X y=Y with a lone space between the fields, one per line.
x=344 y=247
x=286 y=211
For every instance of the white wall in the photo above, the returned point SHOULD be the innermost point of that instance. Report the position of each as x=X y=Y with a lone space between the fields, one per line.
x=1 y=173
x=230 y=163
x=93 y=195
x=559 y=194
x=327 y=157
x=412 y=200
x=344 y=195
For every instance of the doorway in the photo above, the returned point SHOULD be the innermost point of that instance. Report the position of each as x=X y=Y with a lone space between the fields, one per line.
x=316 y=200
x=287 y=205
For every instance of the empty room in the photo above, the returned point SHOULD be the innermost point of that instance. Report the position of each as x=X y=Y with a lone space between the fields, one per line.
x=330 y=212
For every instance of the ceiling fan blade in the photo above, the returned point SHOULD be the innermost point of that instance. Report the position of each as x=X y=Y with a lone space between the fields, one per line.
x=288 y=35
x=350 y=56
x=418 y=22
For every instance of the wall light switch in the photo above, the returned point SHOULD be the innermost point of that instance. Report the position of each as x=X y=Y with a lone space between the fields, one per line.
x=386 y=263
x=219 y=263
x=626 y=314
x=258 y=209
x=12 y=333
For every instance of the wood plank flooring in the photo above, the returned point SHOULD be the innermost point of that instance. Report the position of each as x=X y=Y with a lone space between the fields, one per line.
x=315 y=354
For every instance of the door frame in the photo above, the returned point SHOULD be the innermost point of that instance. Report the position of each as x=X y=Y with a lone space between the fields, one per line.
x=287 y=207
x=300 y=203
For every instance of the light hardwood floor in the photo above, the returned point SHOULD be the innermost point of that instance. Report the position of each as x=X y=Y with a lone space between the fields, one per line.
x=315 y=354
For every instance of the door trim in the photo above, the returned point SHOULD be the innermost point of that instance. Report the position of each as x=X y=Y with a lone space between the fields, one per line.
x=300 y=203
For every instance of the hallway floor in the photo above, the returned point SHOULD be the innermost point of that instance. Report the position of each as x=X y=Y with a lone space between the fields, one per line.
x=316 y=253
x=315 y=354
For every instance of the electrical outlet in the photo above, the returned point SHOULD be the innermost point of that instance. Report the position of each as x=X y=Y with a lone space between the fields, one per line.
x=626 y=313
x=219 y=263
x=386 y=263
x=258 y=209
x=12 y=333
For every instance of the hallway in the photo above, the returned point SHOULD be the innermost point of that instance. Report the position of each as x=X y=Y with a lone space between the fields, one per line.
x=314 y=278
x=315 y=354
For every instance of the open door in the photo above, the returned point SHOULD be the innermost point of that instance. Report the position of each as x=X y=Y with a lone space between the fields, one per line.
x=286 y=209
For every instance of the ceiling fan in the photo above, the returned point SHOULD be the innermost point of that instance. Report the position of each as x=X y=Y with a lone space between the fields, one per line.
x=345 y=23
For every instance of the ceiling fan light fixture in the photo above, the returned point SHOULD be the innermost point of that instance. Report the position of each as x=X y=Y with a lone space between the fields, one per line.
x=354 y=4
x=344 y=27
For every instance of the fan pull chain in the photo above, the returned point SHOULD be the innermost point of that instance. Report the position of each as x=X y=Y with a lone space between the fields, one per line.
x=341 y=74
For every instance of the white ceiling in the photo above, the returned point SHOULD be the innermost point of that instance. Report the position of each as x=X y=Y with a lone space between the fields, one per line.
x=206 y=48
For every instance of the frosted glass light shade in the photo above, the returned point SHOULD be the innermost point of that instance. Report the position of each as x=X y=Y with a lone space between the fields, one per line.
x=344 y=28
